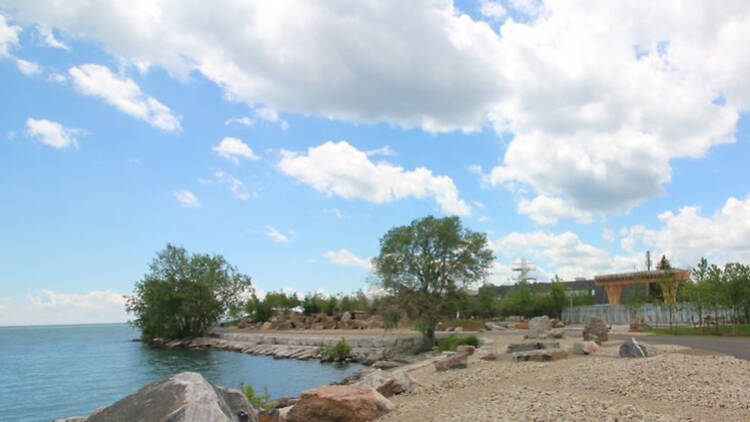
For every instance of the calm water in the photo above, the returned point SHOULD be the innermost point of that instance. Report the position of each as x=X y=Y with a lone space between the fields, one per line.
x=49 y=372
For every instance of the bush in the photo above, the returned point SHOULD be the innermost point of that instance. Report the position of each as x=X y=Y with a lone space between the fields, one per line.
x=338 y=352
x=262 y=401
x=454 y=340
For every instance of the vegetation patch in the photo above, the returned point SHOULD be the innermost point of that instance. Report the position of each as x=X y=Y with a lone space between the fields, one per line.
x=452 y=341
x=337 y=353
x=262 y=401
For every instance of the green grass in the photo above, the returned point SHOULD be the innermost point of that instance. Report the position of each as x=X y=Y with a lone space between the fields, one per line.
x=743 y=330
x=452 y=341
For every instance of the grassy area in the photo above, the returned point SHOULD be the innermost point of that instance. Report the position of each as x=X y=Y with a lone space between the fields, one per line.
x=454 y=340
x=723 y=330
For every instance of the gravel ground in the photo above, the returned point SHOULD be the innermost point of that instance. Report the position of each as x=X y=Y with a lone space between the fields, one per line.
x=674 y=384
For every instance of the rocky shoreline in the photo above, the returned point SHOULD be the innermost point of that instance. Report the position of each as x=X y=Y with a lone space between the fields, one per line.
x=366 y=348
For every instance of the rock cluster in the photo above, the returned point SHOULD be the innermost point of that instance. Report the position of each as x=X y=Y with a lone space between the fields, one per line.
x=543 y=327
x=595 y=330
x=295 y=321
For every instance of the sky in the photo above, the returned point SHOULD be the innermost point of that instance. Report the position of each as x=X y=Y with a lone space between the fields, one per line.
x=289 y=136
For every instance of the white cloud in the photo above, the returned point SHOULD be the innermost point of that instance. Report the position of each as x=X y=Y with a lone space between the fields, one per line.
x=492 y=9
x=338 y=168
x=96 y=299
x=346 y=258
x=186 y=198
x=49 y=38
x=244 y=121
x=270 y=115
x=547 y=210
x=233 y=149
x=368 y=61
x=385 y=151
x=277 y=236
x=608 y=235
x=52 y=133
x=236 y=186
x=57 y=77
x=124 y=94
x=686 y=236
x=27 y=68
x=50 y=307
x=599 y=97
x=564 y=254
x=8 y=36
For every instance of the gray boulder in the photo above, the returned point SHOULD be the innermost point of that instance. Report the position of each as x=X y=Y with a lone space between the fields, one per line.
x=185 y=397
x=532 y=345
x=539 y=327
x=632 y=349
x=595 y=330
x=540 y=355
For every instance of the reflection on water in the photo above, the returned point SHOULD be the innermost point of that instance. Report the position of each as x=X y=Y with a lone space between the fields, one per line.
x=48 y=372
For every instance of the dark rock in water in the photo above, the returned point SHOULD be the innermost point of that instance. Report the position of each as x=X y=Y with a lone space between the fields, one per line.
x=532 y=345
x=185 y=397
x=631 y=349
x=595 y=330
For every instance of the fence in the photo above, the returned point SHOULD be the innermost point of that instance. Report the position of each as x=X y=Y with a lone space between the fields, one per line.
x=653 y=314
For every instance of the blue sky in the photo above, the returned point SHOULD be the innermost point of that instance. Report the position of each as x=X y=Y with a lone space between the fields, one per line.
x=289 y=137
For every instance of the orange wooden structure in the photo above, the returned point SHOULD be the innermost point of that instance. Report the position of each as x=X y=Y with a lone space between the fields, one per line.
x=613 y=283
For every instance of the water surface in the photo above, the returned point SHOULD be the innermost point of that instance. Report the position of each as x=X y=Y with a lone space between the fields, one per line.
x=56 y=371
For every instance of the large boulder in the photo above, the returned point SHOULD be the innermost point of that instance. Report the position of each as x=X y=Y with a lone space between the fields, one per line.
x=339 y=403
x=388 y=383
x=595 y=330
x=632 y=349
x=185 y=397
x=539 y=327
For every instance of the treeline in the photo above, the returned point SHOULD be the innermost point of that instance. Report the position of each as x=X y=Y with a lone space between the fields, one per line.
x=713 y=288
x=310 y=304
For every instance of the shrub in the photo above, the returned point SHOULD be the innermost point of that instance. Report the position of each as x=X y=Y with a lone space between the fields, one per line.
x=262 y=401
x=339 y=352
x=454 y=340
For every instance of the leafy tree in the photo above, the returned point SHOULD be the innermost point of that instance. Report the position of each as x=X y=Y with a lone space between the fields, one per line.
x=558 y=298
x=259 y=310
x=424 y=263
x=183 y=295
x=736 y=281
x=331 y=305
x=487 y=303
x=519 y=301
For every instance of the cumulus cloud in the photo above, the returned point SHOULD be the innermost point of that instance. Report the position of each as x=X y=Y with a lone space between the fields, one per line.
x=278 y=237
x=547 y=210
x=270 y=115
x=8 y=36
x=124 y=94
x=27 y=68
x=186 y=198
x=52 y=133
x=564 y=254
x=599 y=98
x=347 y=258
x=492 y=9
x=233 y=149
x=686 y=236
x=338 y=168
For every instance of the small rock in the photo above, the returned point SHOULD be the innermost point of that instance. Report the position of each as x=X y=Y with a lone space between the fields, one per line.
x=539 y=355
x=488 y=356
x=457 y=361
x=595 y=330
x=532 y=345
x=631 y=349
x=585 y=347
x=385 y=364
x=466 y=349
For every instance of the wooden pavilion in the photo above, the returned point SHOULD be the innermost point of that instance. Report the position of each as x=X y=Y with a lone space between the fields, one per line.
x=667 y=279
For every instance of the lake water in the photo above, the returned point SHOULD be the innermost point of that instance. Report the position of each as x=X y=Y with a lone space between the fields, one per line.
x=59 y=371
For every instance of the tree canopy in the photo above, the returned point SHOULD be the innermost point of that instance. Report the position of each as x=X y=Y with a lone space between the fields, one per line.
x=184 y=294
x=425 y=263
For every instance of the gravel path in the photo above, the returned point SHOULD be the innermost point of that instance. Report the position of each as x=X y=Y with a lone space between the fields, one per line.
x=676 y=384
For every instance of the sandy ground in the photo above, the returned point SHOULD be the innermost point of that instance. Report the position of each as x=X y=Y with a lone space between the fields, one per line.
x=677 y=383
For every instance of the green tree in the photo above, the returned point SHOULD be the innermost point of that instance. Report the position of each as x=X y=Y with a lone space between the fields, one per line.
x=519 y=301
x=183 y=295
x=424 y=263
x=487 y=303
x=736 y=281
x=558 y=298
